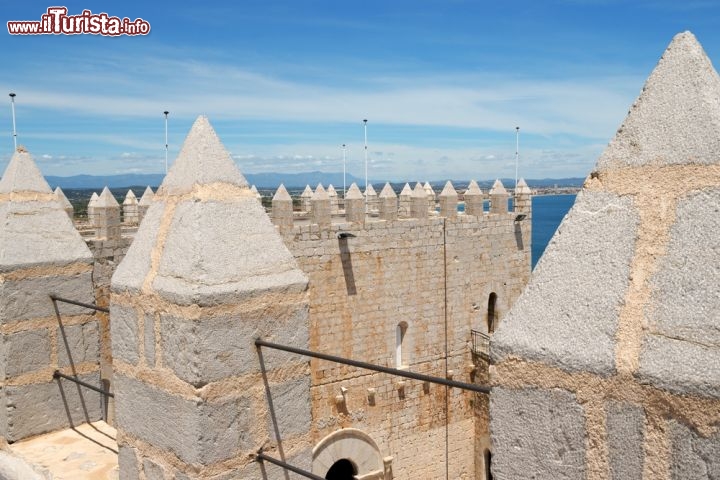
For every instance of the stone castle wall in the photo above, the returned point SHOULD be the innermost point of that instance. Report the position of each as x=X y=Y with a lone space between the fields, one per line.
x=432 y=276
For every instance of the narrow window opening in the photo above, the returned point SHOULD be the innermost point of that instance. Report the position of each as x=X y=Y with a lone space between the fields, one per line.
x=400 y=353
x=491 y=315
x=488 y=459
x=343 y=469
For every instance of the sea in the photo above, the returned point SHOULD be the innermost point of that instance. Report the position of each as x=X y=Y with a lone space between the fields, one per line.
x=547 y=213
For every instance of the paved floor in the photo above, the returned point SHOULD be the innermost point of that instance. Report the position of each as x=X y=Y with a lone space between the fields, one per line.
x=88 y=452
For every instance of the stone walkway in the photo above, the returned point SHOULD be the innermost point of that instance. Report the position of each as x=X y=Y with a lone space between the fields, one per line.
x=88 y=452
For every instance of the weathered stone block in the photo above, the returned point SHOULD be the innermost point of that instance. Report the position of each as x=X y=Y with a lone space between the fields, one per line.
x=26 y=351
x=131 y=272
x=39 y=408
x=568 y=314
x=30 y=298
x=204 y=264
x=625 y=427
x=128 y=464
x=149 y=340
x=682 y=349
x=152 y=470
x=291 y=402
x=537 y=434
x=201 y=432
x=680 y=366
x=693 y=456
x=206 y=350
x=80 y=343
x=124 y=333
x=26 y=241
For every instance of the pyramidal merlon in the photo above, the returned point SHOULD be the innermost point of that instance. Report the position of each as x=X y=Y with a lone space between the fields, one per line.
x=676 y=118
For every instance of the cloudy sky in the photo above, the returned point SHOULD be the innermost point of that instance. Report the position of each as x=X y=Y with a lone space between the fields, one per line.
x=443 y=83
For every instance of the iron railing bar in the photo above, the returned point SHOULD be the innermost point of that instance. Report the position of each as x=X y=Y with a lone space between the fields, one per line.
x=57 y=374
x=79 y=304
x=370 y=366
x=260 y=456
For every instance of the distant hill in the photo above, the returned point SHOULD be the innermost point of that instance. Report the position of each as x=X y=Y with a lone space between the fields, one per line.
x=272 y=180
x=260 y=180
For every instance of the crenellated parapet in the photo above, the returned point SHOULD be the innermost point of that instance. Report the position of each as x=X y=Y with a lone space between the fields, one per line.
x=410 y=204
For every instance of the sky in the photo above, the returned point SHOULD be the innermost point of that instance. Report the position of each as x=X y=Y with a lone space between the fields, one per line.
x=443 y=84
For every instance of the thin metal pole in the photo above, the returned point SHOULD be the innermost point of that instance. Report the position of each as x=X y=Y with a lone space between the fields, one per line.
x=517 y=154
x=12 y=106
x=79 y=304
x=166 y=141
x=260 y=456
x=344 y=184
x=57 y=374
x=366 y=165
x=378 y=368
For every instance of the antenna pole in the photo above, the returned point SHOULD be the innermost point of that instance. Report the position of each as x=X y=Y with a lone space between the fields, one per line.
x=366 y=165
x=12 y=106
x=166 y=141
x=344 y=183
x=517 y=153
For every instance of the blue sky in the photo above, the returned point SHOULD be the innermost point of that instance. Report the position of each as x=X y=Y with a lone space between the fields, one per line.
x=442 y=83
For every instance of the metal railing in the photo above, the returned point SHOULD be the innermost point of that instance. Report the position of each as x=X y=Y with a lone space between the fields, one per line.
x=480 y=343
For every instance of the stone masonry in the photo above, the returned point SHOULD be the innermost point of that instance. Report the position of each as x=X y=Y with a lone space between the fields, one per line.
x=41 y=254
x=206 y=275
x=431 y=275
x=608 y=365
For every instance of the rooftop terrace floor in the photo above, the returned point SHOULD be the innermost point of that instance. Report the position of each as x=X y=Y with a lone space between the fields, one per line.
x=87 y=452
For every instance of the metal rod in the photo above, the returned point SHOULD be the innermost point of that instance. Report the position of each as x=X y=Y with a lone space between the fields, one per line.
x=57 y=374
x=517 y=154
x=166 y=141
x=366 y=166
x=344 y=184
x=79 y=304
x=378 y=368
x=12 y=105
x=262 y=457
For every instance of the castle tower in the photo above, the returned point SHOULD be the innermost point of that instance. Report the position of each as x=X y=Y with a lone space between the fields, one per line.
x=448 y=201
x=42 y=254
x=64 y=202
x=206 y=275
x=145 y=202
x=498 y=198
x=405 y=202
x=388 y=203
x=130 y=209
x=354 y=205
x=107 y=216
x=282 y=209
x=608 y=365
x=473 y=199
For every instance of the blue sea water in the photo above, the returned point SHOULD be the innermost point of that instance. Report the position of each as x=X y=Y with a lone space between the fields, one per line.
x=547 y=213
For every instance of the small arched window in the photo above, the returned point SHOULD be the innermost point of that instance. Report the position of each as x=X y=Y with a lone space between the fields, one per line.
x=491 y=314
x=400 y=353
x=343 y=469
